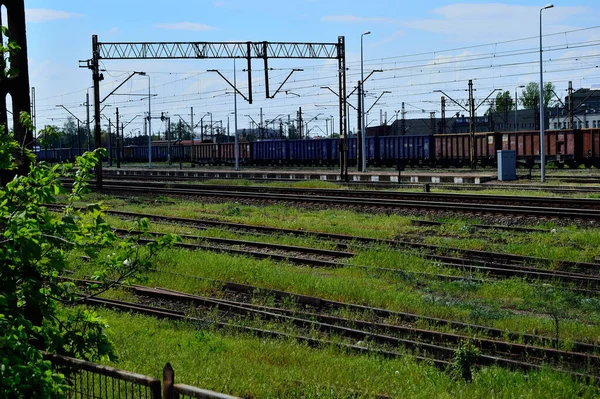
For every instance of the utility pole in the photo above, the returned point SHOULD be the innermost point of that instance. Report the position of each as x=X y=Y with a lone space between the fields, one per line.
x=403 y=121
x=87 y=104
x=109 y=144
x=432 y=121
x=181 y=153
x=300 y=122
x=280 y=129
x=79 y=136
x=168 y=134
x=260 y=127
x=360 y=125
x=120 y=147
x=571 y=113
x=443 y=127
x=192 y=122
x=235 y=121
x=117 y=141
x=471 y=124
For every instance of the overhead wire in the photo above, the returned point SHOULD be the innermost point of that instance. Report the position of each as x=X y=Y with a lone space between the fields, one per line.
x=424 y=69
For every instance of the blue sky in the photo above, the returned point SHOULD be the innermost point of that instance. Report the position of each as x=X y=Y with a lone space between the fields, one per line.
x=420 y=46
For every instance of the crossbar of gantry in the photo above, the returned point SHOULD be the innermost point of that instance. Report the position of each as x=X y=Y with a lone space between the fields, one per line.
x=220 y=50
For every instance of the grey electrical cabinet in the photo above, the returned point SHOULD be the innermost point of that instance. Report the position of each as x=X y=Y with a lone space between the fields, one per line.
x=507 y=165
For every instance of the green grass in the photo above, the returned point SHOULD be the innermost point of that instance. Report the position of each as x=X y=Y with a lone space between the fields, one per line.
x=248 y=366
x=504 y=304
x=567 y=243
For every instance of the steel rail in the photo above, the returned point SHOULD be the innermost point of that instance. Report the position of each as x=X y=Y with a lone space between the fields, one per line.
x=494 y=269
x=474 y=255
x=320 y=303
x=470 y=208
x=180 y=316
x=576 y=203
x=439 y=355
x=409 y=318
x=308 y=320
x=385 y=184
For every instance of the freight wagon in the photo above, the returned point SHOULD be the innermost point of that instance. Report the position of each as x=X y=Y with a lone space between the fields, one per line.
x=455 y=149
x=392 y=150
x=588 y=148
x=563 y=147
x=58 y=154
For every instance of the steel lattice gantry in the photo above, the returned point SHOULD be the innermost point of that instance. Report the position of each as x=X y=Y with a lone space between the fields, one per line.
x=183 y=50
x=215 y=50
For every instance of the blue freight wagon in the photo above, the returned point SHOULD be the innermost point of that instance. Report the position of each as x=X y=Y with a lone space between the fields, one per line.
x=270 y=152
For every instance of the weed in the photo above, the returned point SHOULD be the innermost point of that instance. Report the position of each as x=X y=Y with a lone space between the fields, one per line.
x=464 y=359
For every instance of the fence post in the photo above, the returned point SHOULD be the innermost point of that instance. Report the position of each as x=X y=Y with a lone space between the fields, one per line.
x=168 y=382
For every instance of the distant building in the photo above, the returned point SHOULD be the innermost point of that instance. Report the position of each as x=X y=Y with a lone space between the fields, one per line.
x=585 y=104
x=527 y=119
x=586 y=111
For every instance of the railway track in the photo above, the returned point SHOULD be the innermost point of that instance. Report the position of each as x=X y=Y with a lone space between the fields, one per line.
x=430 y=345
x=577 y=203
x=343 y=241
x=539 y=208
x=586 y=284
x=558 y=189
x=436 y=252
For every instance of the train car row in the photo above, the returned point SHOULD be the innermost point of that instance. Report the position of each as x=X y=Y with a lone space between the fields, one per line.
x=563 y=147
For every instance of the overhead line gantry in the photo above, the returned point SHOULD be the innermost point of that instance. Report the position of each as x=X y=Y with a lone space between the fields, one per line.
x=221 y=50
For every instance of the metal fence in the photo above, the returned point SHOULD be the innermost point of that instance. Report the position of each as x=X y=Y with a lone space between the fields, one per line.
x=182 y=391
x=95 y=381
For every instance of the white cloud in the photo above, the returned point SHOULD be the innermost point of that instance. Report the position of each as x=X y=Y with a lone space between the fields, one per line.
x=354 y=19
x=186 y=26
x=35 y=15
x=501 y=21
x=218 y=4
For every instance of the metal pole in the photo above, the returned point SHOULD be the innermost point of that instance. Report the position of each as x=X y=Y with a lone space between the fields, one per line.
x=362 y=128
x=542 y=147
x=110 y=160
x=471 y=124
x=260 y=127
x=571 y=114
x=168 y=119
x=180 y=147
x=97 y=133
x=117 y=141
x=443 y=114
x=235 y=123
x=87 y=104
x=149 y=126
x=360 y=115
x=516 y=106
x=192 y=122
x=332 y=126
